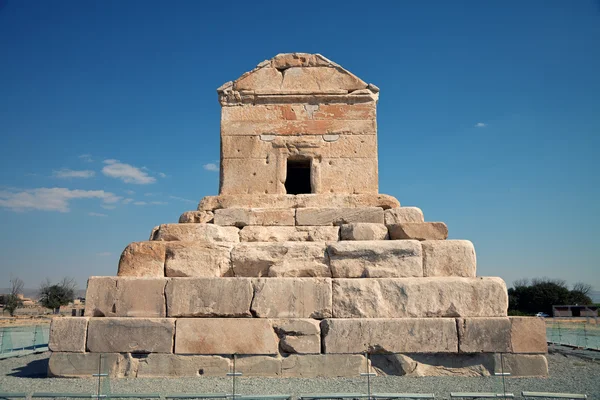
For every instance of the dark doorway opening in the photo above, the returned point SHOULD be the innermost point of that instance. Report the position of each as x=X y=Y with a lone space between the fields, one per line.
x=298 y=176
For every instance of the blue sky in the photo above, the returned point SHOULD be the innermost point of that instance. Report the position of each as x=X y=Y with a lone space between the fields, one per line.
x=489 y=120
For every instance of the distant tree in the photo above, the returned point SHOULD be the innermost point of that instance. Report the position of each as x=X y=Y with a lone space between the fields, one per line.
x=12 y=301
x=580 y=294
x=55 y=295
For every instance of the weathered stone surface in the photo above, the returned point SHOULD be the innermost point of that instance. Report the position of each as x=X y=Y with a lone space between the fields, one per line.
x=418 y=231
x=302 y=336
x=375 y=259
x=210 y=203
x=286 y=60
x=258 y=365
x=209 y=297
x=285 y=259
x=449 y=258
x=197 y=232
x=528 y=335
x=344 y=146
x=292 y=298
x=130 y=335
x=295 y=127
x=109 y=296
x=349 y=175
x=225 y=336
x=417 y=335
x=419 y=297
x=241 y=217
x=76 y=365
x=198 y=259
x=196 y=217
x=289 y=233
x=363 y=231
x=484 y=335
x=143 y=259
x=338 y=216
x=177 y=365
x=403 y=214
x=323 y=365
x=300 y=344
x=522 y=364
x=68 y=334
x=438 y=364
x=248 y=176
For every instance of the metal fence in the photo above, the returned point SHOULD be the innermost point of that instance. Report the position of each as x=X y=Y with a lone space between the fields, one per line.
x=581 y=334
x=18 y=340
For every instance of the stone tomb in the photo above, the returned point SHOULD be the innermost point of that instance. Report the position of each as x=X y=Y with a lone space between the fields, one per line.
x=299 y=266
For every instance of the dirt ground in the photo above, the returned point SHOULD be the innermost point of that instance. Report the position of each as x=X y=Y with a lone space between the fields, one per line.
x=25 y=320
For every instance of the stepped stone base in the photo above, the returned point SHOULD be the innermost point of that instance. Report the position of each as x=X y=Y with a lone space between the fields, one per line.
x=122 y=365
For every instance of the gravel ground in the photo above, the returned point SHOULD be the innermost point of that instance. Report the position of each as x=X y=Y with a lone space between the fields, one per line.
x=570 y=371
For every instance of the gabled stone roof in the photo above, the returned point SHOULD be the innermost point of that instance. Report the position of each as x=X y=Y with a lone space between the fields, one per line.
x=298 y=73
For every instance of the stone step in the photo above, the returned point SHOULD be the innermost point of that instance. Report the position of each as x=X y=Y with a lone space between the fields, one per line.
x=337 y=259
x=296 y=297
x=212 y=203
x=287 y=336
x=84 y=365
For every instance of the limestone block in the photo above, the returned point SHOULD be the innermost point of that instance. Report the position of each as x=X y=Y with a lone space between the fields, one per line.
x=299 y=112
x=68 y=334
x=449 y=258
x=484 y=335
x=436 y=364
x=258 y=365
x=109 y=296
x=176 y=365
x=319 y=80
x=329 y=200
x=286 y=60
x=292 y=298
x=418 y=231
x=209 y=297
x=243 y=176
x=419 y=297
x=363 y=231
x=197 y=232
x=225 y=336
x=84 y=365
x=522 y=365
x=296 y=127
x=302 y=336
x=198 y=259
x=300 y=344
x=143 y=259
x=323 y=365
x=253 y=147
x=338 y=216
x=285 y=259
x=196 y=217
x=349 y=175
x=131 y=335
x=403 y=214
x=241 y=217
x=264 y=78
x=375 y=259
x=289 y=233
x=417 y=335
x=528 y=335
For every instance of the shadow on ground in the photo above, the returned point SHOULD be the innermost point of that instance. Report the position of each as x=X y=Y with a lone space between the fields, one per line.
x=35 y=369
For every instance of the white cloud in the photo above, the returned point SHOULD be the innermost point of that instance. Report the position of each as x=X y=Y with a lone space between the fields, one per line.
x=127 y=173
x=145 y=203
x=127 y=200
x=69 y=173
x=182 y=199
x=95 y=214
x=104 y=254
x=159 y=203
x=130 y=192
x=85 y=157
x=108 y=206
x=480 y=125
x=211 y=167
x=162 y=174
x=139 y=203
x=51 y=199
